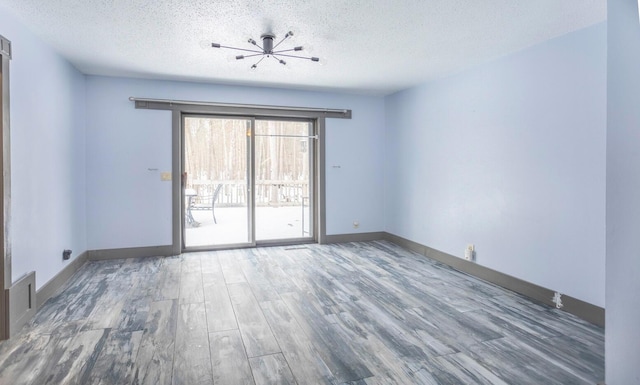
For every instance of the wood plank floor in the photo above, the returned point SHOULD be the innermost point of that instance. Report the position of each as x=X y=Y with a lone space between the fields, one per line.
x=358 y=313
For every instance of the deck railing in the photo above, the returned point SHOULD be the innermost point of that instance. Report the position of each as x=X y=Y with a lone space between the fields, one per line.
x=268 y=192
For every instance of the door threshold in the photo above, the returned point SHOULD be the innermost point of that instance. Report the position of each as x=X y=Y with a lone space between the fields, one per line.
x=269 y=243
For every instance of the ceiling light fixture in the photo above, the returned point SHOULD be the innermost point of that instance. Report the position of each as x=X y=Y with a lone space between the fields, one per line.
x=268 y=49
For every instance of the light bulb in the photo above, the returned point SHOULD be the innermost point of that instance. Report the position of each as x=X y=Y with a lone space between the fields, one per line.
x=295 y=32
x=233 y=58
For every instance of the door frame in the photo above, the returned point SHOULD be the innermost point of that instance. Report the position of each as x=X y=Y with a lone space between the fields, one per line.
x=314 y=181
x=5 y=190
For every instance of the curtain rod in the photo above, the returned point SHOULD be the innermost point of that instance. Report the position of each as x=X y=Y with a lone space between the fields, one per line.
x=234 y=105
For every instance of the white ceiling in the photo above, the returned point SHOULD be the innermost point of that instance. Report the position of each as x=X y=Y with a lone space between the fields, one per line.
x=371 y=46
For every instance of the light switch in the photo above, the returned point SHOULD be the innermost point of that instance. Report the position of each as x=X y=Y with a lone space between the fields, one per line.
x=165 y=176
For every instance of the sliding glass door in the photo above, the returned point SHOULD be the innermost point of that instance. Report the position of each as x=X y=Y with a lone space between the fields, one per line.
x=283 y=187
x=247 y=181
x=217 y=181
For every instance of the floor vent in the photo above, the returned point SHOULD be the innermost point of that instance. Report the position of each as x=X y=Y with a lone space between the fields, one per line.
x=296 y=248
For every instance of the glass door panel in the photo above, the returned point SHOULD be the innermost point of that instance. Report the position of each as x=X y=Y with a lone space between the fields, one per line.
x=283 y=187
x=216 y=181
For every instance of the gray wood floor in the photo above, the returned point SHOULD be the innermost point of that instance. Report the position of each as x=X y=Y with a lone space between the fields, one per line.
x=359 y=313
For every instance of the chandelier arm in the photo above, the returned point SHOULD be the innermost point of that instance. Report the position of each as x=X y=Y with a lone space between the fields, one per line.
x=253 y=42
x=258 y=62
x=285 y=50
x=283 y=39
x=254 y=55
x=278 y=59
x=243 y=49
x=298 y=57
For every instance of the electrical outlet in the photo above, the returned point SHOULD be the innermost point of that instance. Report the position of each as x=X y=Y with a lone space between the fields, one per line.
x=165 y=176
x=356 y=224
x=469 y=252
x=66 y=254
x=557 y=299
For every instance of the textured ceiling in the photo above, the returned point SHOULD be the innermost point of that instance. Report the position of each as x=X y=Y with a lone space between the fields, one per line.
x=370 y=46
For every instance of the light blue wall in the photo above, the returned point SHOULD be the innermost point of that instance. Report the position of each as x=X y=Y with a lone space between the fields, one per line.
x=509 y=156
x=128 y=205
x=47 y=155
x=623 y=195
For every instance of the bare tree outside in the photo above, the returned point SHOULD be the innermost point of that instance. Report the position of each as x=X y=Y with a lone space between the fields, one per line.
x=215 y=155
